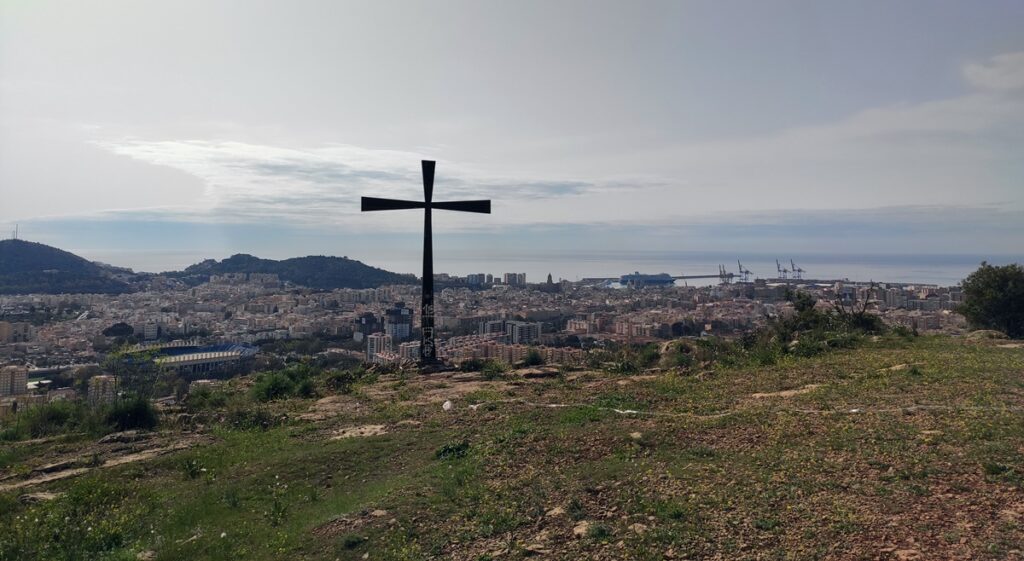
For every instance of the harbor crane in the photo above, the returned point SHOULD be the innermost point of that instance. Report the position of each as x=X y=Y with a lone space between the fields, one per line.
x=744 y=273
x=783 y=272
x=797 y=271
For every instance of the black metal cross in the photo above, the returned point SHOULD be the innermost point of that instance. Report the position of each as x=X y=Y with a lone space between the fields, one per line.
x=428 y=350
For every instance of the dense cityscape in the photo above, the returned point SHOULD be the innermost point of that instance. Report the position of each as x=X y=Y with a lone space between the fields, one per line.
x=217 y=329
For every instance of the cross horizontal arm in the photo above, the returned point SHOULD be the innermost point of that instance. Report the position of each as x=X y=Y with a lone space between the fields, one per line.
x=483 y=207
x=373 y=203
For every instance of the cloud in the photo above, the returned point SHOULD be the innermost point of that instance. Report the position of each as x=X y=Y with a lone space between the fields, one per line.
x=958 y=152
x=251 y=182
x=1004 y=72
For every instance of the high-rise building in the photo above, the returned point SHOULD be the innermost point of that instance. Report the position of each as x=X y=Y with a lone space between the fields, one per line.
x=13 y=381
x=376 y=344
x=364 y=325
x=522 y=332
x=398 y=322
x=410 y=350
x=102 y=389
x=17 y=332
x=515 y=279
x=492 y=327
x=490 y=278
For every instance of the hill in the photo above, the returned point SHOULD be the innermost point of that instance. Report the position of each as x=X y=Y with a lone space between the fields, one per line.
x=315 y=271
x=30 y=267
x=904 y=448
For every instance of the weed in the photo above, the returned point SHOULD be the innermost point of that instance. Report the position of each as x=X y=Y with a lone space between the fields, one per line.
x=452 y=450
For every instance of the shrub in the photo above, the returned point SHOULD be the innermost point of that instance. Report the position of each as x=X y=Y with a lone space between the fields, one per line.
x=206 y=398
x=472 y=365
x=342 y=381
x=272 y=385
x=995 y=298
x=134 y=413
x=453 y=450
x=249 y=418
x=305 y=388
x=494 y=369
x=533 y=358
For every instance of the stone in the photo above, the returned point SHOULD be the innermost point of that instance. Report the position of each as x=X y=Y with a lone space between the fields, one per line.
x=638 y=528
x=557 y=511
x=33 y=498
x=581 y=529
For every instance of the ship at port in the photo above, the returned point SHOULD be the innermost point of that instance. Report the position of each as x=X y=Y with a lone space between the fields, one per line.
x=639 y=280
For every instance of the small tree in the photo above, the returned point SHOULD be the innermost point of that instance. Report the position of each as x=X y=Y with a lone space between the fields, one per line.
x=995 y=298
x=533 y=358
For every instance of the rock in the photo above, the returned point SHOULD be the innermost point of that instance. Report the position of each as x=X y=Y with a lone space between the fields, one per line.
x=535 y=549
x=56 y=466
x=378 y=513
x=124 y=437
x=33 y=498
x=148 y=555
x=447 y=405
x=557 y=511
x=636 y=435
x=986 y=334
x=907 y=554
x=542 y=372
x=638 y=528
x=581 y=529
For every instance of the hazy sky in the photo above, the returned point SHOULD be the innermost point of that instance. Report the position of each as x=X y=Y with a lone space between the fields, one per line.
x=151 y=133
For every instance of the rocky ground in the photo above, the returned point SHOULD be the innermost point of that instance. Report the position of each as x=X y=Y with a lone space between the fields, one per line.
x=901 y=449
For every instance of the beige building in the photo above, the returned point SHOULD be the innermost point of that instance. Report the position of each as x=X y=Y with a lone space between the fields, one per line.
x=18 y=332
x=13 y=381
x=378 y=344
x=102 y=389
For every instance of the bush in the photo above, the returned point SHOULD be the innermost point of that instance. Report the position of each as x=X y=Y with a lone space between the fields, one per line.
x=134 y=413
x=533 y=358
x=453 y=450
x=272 y=385
x=249 y=418
x=341 y=381
x=472 y=365
x=206 y=398
x=494 y=369
x=995 y=298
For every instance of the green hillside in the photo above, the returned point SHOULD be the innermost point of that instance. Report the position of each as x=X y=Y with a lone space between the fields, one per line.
x=901 y=449
x=320 y=272
x=29 y=267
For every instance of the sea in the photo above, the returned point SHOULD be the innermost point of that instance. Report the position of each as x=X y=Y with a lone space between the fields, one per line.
x=922 y=268
x=942 y=270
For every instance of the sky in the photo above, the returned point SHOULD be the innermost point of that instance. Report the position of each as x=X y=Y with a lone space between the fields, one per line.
x=154 y=134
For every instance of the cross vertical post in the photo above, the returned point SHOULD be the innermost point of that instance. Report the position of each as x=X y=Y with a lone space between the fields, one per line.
x=428 y=346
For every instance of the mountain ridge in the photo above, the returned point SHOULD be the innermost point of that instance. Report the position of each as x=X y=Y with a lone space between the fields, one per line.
x=32 y=267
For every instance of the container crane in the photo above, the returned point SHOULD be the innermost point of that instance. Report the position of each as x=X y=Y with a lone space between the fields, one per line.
x=797 y=271
x=745 y=273
x=783 y=272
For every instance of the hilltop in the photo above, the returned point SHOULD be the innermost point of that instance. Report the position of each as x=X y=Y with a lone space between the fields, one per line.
x=27 y=267
x=30 y=267
x=903 y=448
x=314 y=271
